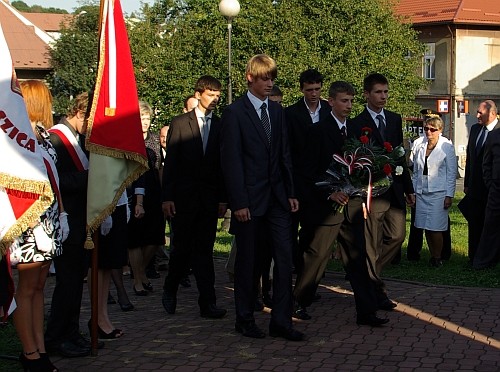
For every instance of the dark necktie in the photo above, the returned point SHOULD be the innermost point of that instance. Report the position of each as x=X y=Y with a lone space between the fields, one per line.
x=343 y=132
x=204 y=132
x=381 y=126
x=266 y=124
x=480 y=140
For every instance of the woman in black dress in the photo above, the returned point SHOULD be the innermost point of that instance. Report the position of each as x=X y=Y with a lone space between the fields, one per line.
x=146 y=226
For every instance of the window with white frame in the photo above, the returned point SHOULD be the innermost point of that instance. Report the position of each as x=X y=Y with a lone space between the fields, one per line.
x=428 y=65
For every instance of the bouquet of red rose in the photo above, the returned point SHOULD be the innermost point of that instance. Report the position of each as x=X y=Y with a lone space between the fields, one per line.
x=364 y=169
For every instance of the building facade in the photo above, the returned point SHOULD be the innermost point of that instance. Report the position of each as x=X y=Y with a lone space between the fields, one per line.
x=461 y=61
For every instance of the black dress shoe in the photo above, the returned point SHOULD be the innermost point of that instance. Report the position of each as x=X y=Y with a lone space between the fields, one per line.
x=212 y=311
x=69 y=349
x=185 y=282
x=169 y=302
x=249 y=330
x=301 y=313
x=371 y=320
x=288 y=333
x=387 y=305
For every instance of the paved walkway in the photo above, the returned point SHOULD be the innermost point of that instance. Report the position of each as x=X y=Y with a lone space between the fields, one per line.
x=432 y=329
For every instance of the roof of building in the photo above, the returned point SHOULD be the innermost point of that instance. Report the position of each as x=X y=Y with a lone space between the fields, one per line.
x=478 y=12
x=28 y=44
x=49 y=22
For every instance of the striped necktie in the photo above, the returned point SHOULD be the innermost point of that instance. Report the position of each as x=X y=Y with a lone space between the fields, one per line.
x=264 y=118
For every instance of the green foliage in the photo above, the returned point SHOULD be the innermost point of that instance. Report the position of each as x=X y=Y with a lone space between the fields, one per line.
x=74 y=58
x=23 y=7
x=176 y=41
x=345 y=40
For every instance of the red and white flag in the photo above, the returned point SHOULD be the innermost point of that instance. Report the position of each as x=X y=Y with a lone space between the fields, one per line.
x=25 y=191
x=114 y=134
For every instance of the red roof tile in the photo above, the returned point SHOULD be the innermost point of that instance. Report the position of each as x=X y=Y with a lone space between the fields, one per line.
x=479 y=12
x=27 y=49
x=49 y=22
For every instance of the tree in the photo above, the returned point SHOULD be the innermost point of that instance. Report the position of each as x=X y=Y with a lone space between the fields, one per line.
x=345 y=40
x=175 y=41
x=74 y=58
x=23 y=7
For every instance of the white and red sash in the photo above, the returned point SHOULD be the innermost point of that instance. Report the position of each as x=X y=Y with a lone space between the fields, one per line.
x=72 y=146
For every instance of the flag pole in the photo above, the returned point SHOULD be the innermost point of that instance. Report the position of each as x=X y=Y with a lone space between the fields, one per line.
x=94 y=283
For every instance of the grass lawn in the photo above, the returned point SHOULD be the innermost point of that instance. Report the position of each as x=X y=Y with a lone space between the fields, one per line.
x=454 y=272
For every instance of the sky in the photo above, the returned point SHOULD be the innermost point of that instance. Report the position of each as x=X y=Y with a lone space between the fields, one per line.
x=128 y=6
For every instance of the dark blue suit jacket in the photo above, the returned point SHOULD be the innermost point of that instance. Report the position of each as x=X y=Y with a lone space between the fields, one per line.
x=253 y=169
x=192 y=179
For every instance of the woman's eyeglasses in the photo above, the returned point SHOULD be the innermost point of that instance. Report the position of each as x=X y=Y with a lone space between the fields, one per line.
x=430 y=129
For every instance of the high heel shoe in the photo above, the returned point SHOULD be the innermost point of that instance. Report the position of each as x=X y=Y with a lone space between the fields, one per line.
x=32 y=365
x=48 y=363
x=141 y=292
x=148 y=286
x=114 y=334
x=126 y=307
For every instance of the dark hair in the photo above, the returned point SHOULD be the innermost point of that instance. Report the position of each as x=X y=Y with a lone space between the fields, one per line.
x=340 y=87
x=276 y=91
x=207 y=82
x=310 y=76
x=373 y=79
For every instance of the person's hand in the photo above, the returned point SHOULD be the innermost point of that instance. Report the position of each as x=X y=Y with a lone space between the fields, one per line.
x=294 y=204
x=222 y=210
x=242 y=215
x=168 y=209
x=339 y=197
x=447 y=202
x=410 y=200
x=106 y=226
x=139 y=211
x=63 y=219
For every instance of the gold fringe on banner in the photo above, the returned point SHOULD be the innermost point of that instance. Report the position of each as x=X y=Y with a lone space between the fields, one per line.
x=45 y=198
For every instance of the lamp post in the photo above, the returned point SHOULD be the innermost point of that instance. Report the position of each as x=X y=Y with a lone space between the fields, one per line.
x=229 y=9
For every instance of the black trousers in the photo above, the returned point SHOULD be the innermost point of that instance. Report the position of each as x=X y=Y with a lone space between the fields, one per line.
x=251 y=237
x=192 y=247
x=71 y=268
x=475 y=224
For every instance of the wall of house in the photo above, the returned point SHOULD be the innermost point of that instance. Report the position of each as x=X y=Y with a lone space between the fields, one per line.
x=476 y=72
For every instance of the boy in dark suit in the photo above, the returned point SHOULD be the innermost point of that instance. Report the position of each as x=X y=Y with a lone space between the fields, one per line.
x=322 y=224
x=386 y=224
x=258 y=173
x=193 y=197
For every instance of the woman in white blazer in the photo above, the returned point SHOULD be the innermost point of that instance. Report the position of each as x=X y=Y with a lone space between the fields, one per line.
x=434 y=179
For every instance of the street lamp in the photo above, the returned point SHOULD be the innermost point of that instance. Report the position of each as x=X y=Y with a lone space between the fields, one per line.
x=229 y=9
